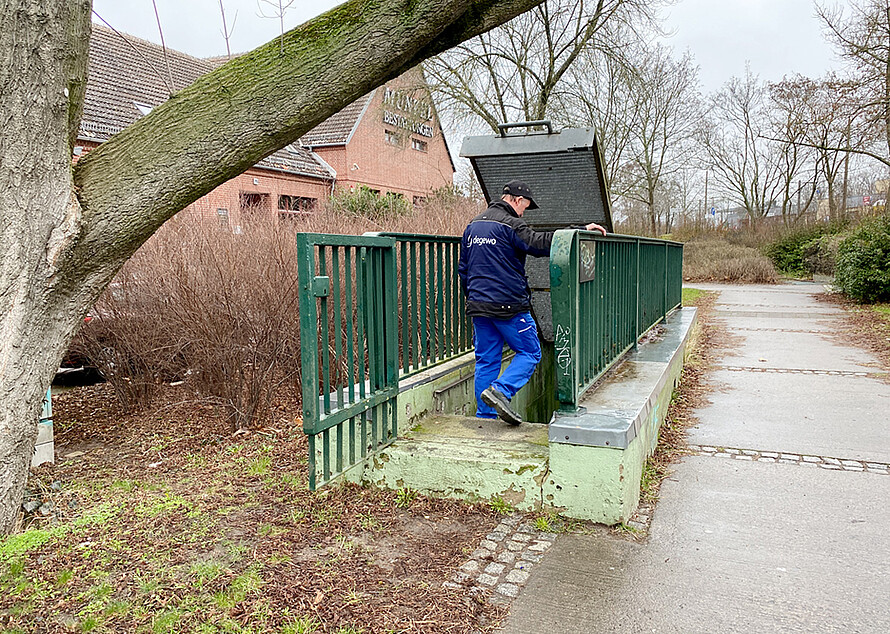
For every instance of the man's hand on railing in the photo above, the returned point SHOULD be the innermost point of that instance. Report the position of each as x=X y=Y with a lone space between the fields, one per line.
x=595 y=227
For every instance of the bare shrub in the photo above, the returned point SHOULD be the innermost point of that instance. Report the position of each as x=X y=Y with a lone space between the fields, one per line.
x=719 y=260
x=201 y=302
x=219 y=309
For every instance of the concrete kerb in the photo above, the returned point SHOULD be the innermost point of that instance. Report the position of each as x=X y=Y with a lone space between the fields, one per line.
x=597 y=457
x=594 y=474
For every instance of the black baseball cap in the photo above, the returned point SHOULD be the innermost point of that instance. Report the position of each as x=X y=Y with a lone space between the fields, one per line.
x=518 y=188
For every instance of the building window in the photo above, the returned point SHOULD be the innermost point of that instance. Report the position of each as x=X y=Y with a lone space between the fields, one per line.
x=254 y=203
x=223 y=215
x=290 y=205
x=418 y=145
x=391 y=137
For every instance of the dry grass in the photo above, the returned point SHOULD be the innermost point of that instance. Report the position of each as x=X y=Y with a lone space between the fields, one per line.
x=718 y=260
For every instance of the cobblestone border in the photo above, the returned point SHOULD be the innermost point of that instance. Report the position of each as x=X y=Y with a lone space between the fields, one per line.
x=742 y=368
x=824 y=462
x=805 y=332
x=500 y=566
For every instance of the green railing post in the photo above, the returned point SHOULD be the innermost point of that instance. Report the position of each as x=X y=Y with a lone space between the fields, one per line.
x=564 y=300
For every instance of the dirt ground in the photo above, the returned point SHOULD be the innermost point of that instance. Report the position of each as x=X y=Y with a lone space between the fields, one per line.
x=166 y=522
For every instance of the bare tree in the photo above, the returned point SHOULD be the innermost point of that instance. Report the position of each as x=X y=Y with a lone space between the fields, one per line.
x=521 y=71
x=662 y=133
x=863 y=38
x=791 y=119
x=743 y=158
x=601 y=93
x=64 y=233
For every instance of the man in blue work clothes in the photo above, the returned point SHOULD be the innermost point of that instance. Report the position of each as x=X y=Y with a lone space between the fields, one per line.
x=492 y=274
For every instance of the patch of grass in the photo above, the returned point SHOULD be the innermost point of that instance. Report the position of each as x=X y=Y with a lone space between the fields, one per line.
x=691 y=295
x=627 y=529
x=259 y=466
x=368 y=522
x=405 y=497
x=293 y=481
x=169 y=503
x=206 y=571
x=653 y=474
x=248 y=582
x=15 y=546
x=500 y=505
x=302 y=625
x=165 y=622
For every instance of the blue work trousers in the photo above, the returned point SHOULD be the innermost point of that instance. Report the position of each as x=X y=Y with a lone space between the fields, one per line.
x=489 y=337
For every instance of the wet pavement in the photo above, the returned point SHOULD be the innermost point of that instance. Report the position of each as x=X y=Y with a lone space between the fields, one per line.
x=780 y=522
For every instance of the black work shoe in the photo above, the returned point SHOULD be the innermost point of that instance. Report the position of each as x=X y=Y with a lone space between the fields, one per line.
x=494 y=398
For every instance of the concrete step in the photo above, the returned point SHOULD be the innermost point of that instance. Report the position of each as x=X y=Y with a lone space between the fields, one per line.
x=468 y=458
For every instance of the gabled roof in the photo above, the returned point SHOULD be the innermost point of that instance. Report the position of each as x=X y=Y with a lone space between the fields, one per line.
x=123 y=73
x=128 y=76
x=338 y=129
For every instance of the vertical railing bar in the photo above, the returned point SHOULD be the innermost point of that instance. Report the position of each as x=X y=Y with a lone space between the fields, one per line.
x=352 y=440
x=450 y=274
x=404 y=308
x=340 y=428
x=360 y=260
x=338 y=320
x=440 y=296
x=326 y=455
x=430 y=303
x=415 y=341
x=375 y=423
x=422 y=291
x=348 y=279
x=382 y=284
x=312 y=482
x=325 y=336
x=364 y=427
x=637 y=332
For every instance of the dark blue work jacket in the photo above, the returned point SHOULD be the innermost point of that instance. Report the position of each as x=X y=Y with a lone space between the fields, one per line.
x=492 y=261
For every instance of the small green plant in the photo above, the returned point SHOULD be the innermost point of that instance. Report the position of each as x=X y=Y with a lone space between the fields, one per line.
x=302 y=625
x=368 y=522
x=501 y=506
x=405 y=497
x=259 y=466
x=546 y=523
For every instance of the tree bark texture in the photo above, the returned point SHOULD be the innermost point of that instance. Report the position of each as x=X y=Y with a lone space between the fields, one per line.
x=66 y=233
x=43 y=46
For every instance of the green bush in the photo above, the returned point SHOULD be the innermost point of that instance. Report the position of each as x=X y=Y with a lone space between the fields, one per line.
x=367 y=203
x=863 y=262
x=820 y=255
x=787 y=253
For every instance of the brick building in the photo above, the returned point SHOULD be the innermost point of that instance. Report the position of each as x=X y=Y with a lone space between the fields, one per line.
x=390 y=140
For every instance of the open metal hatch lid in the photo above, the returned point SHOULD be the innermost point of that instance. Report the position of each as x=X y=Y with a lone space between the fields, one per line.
x=564 y=170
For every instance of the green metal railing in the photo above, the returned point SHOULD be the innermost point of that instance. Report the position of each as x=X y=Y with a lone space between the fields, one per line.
x=433 y=324
x=605 y=293
x=349 y=349
x=373 y=308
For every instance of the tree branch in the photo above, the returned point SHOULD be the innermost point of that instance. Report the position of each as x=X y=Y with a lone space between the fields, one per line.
x=252 y=106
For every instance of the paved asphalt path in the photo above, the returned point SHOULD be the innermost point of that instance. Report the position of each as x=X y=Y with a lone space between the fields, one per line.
x=780 y=524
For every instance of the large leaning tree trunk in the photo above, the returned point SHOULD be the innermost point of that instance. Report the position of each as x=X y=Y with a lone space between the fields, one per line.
x=66 y=232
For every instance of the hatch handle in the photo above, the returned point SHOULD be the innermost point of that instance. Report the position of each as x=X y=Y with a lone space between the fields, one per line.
x=503 y=127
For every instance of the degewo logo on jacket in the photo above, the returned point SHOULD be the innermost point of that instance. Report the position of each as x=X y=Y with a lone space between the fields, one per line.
x=471 y=240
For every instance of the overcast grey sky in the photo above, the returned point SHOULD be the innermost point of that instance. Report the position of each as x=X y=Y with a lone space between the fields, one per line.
x=778 y=37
